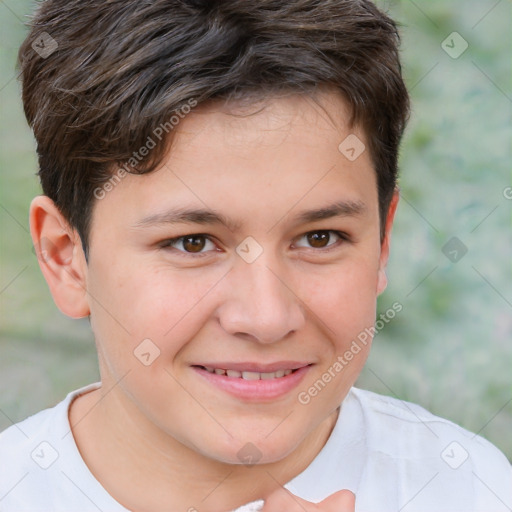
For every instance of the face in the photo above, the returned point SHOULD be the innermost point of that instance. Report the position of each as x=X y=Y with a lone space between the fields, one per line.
x=255 y=248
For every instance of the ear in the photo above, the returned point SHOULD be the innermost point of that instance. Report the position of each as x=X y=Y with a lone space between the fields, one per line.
x=382 y=280
x=61 y=257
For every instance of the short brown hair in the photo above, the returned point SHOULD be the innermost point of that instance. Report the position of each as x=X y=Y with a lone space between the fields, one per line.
x=123 y=67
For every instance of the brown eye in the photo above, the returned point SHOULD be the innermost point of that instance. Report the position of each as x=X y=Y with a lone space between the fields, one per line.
x=193 y=243
x=318 y=238
x=190 y=244
x=322 y=239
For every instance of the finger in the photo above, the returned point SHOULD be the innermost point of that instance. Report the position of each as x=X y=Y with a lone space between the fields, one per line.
x=283 y=500
x=341 y=501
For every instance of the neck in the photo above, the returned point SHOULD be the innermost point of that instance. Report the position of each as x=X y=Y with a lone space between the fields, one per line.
x=145 y=469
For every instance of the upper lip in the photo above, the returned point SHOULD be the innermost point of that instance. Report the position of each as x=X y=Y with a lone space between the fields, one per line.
x=256 y=367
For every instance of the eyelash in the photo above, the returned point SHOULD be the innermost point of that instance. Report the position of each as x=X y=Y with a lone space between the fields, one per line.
x=169 y=242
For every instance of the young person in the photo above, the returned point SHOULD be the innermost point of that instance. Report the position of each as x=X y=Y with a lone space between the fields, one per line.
x=219 y=186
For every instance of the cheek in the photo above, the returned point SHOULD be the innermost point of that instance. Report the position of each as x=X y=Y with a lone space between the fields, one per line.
x=132 y=303
x=344 y=301
x=343 y=297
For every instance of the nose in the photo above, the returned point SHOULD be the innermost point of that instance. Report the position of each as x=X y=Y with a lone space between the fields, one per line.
x=260 y=304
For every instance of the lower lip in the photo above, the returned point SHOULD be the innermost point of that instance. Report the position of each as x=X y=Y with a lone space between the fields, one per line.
x=255 y=390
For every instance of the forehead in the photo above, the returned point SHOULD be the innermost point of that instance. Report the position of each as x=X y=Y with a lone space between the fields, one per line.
x=268 y=119
x=255 y=160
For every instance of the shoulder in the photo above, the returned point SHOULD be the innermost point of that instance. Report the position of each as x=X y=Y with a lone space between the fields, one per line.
x=35 y=453
x=48 y=423
x=17 y=440
x=426 y=444
x=27 y=451
x=392 y=417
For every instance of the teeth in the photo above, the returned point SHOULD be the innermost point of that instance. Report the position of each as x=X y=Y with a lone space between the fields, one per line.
x=249 y=375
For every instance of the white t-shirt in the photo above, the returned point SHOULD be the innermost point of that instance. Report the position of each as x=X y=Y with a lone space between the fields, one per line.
x=395 y=456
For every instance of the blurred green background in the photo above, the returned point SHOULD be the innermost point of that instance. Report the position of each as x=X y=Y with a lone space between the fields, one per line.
x=450 y=349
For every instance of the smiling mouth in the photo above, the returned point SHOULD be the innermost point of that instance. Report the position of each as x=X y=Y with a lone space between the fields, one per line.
x=248 y=375
x=243 y=381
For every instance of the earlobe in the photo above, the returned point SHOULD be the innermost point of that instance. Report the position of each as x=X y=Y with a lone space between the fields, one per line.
x=60 y=255
x=382 y=279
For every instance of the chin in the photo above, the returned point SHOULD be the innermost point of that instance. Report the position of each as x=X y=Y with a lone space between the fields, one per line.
x=250 y=453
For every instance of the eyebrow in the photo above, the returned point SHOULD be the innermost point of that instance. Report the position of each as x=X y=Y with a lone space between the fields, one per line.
x=210 y=217
x=339 y=209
